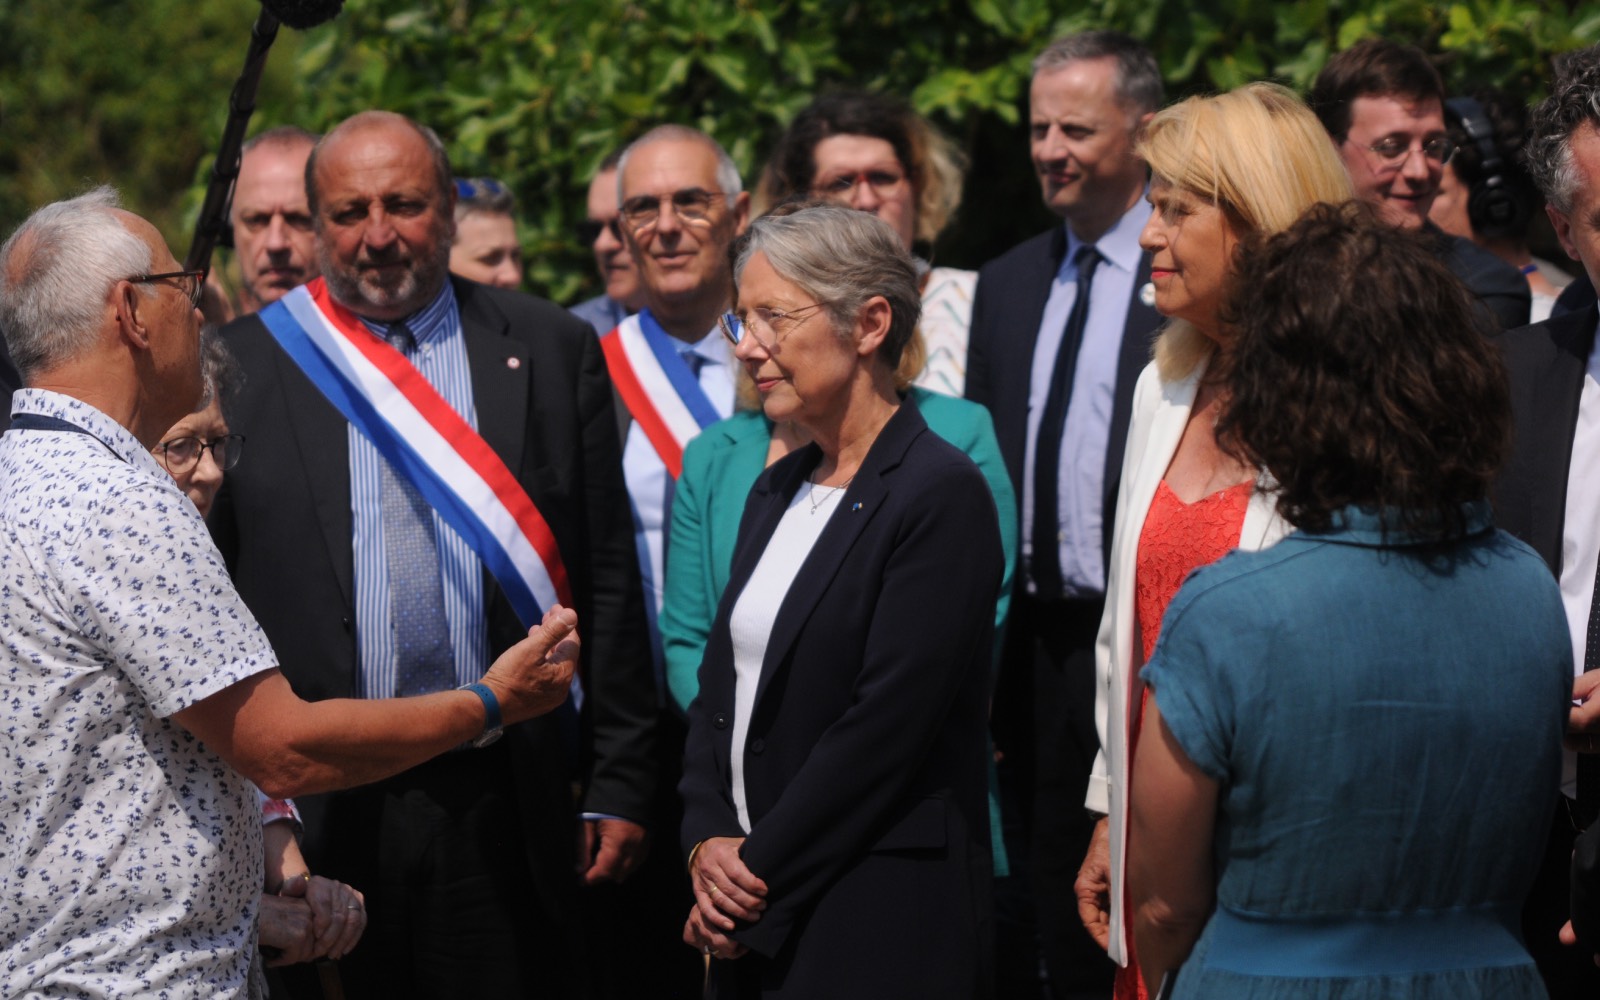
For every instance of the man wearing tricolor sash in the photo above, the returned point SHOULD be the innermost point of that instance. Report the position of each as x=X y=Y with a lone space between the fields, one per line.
x=432 y=462
x=681 y=205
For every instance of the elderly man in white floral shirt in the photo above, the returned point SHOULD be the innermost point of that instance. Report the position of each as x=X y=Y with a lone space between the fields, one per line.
x=138 y=691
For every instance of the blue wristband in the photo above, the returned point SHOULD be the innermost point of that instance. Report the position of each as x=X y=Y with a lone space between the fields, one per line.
x=491 y=705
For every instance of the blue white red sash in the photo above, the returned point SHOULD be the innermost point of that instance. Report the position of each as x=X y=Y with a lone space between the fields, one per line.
x=388 y=400
x=657 y=386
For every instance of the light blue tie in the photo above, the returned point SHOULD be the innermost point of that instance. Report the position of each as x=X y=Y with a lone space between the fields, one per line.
x=423 y=658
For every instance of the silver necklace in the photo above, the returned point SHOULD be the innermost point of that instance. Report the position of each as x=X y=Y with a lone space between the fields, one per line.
x=811 y=494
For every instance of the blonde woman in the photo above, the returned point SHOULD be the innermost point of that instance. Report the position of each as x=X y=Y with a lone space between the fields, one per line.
x=1224 y=170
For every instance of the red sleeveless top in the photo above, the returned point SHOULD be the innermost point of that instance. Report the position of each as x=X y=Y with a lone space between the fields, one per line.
x=1177 y=538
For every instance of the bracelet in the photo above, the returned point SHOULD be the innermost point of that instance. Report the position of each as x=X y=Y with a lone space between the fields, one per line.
x=285 y=883
x=693 y=852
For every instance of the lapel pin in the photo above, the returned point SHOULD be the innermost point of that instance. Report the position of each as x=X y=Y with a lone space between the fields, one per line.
x=513 y=363
x=855 y=506
x=1147 y=294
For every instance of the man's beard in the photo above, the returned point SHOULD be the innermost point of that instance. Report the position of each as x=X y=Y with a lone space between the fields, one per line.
x=415 y=287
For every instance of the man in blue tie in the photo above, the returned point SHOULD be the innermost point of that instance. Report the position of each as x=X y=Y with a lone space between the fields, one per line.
x=342 y=549
x=1061 y=326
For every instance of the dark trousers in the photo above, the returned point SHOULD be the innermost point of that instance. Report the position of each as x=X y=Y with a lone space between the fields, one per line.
x=452 y=909
x=1569 y=973
x=1044 y=727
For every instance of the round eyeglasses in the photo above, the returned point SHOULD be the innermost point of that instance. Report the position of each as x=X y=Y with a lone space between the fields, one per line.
x=1395 y=150
x=763 y=324
x=182 y=454
x=691 y=205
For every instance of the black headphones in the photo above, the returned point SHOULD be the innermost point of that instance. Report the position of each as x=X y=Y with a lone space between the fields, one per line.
x=1491 y=204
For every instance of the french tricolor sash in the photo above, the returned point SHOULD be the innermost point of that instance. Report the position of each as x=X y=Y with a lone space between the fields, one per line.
x=657 y=386
x=424 y=439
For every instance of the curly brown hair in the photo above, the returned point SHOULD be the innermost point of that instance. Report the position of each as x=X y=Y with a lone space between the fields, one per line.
x=1359 y=377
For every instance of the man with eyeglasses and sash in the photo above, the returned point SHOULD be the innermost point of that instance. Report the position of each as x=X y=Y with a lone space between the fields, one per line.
x=1383 y=106
x=433 y=461
x=681 y=206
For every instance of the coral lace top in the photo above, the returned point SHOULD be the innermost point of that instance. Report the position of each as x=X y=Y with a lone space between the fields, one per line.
x=1177 y=537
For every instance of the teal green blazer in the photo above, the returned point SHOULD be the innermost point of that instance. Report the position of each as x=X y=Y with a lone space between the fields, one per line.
x=720 y=466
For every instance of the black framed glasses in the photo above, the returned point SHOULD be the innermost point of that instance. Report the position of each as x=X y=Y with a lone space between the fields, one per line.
x=766 y=326
x=183 y=453
x=589 y=230
x=192 y=283
x=1394 y=150
x=692 y=205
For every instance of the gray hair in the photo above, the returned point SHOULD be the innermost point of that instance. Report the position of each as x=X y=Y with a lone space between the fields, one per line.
x=443 y=176
x=281 y=135
x=727 y=170
x=1574 y=100
x=841 y=258
x=219 y=371
x=56 y=271
x=1138 y=84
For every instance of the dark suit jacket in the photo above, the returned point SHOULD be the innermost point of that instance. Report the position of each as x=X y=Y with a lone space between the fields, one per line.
x=1546 y=363
x=283 y=523
x=865 y=758
x=1007 y=309
x=1500 y=287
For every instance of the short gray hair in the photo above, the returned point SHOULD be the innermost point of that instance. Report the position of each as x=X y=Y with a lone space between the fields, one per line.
x=56 y=271
x=1138 y=84
x=840 y=257
x=219 y=370
x=288 y=136
x=1574 y=101
x=727 y=170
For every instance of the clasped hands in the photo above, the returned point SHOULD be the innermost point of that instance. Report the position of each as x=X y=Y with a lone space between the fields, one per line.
x=725 y=891
x=311 y=917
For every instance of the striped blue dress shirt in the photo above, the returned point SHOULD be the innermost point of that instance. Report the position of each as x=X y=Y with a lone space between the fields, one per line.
x=441 y=357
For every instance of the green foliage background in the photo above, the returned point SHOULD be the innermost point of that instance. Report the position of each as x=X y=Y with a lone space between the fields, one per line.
x=536 y=93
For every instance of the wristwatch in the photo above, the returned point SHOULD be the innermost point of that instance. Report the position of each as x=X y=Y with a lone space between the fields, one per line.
x=491 y=714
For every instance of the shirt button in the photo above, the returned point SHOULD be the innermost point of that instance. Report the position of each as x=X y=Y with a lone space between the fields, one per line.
x=756 y=746
x=720 y=720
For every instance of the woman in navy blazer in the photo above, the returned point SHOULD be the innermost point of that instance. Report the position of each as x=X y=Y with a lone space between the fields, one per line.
x=834 y=777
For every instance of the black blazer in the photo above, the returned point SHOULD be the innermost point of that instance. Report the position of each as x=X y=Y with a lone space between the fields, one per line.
x=865 y=760
x=1546 y=363
x=1007 y=309
x=283 y=523
x=1499 y=288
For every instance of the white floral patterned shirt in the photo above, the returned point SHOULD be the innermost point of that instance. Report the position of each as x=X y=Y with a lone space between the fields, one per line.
x=131 y=853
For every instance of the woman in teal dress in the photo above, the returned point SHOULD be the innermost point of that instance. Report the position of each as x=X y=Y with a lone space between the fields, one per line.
x=1354 y=736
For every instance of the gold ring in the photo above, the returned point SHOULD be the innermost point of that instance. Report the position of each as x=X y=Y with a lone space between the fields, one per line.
x=713 y=890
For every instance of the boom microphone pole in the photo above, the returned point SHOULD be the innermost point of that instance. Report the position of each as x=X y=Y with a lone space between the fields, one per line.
x=210 y=226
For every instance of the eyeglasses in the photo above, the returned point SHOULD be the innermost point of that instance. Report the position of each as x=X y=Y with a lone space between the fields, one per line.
x=182 y=454
x=762 y=323
x=1394 y=150
x=692 y=205
x=193 y=283
x=883 y=182
x=473 y=188
x=589 y=230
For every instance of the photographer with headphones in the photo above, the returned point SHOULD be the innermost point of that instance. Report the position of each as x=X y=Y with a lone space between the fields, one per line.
x=1486 y=196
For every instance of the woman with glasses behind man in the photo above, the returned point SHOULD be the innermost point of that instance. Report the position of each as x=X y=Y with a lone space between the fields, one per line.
x=196 y=451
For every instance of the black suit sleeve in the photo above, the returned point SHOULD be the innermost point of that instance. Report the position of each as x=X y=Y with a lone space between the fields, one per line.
x=927 y=634
x=979 y=387
x=1586 y=890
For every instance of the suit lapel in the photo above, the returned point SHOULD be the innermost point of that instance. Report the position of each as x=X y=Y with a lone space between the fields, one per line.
x=501 y=372
x=321 y=435
x=1548 y=431
x=1138 y=334
x=856 y=509
x=1030 y=291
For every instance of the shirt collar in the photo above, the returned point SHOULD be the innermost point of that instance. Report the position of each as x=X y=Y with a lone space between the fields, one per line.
x=1364 y=526
x=44 y=403
x=430 y=323
x=1119 y=245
